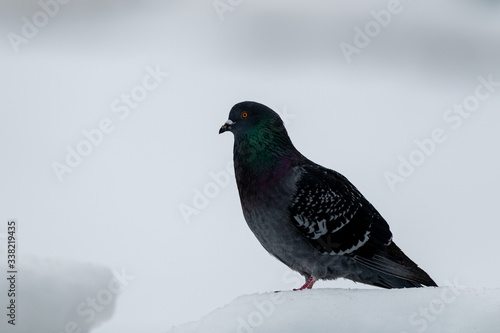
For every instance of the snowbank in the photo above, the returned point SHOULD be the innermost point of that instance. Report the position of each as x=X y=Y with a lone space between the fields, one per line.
x=445 y=309
x=60 y=296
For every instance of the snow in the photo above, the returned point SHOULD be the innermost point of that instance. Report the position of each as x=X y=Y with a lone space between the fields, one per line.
x=120 y=207
x=61 y=296
x=445 y=309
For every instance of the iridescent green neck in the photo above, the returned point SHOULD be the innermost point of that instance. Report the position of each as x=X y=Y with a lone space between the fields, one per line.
x=263 y=148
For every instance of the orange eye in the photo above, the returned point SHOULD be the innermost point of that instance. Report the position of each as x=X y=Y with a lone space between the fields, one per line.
x=244 y=115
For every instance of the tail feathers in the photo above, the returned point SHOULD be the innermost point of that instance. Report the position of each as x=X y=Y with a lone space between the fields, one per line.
x=397 y=270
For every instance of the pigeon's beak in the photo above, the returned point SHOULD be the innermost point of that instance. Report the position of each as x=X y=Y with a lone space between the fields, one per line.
x=227 y=126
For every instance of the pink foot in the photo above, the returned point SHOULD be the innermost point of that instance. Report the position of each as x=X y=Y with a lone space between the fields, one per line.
x=309 y=284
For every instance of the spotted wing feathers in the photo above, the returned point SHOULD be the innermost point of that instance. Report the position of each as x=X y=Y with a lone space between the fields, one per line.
x=333 y=215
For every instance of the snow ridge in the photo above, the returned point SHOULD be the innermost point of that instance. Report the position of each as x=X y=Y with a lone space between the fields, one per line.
x=444 y=309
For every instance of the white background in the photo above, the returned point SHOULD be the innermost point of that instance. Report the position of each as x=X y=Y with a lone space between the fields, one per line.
x=120 y=206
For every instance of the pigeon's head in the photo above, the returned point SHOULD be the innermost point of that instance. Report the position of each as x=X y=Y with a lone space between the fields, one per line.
x=247 y=117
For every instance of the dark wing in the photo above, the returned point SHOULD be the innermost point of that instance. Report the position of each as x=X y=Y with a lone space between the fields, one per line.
x=333 y=215
x=335 y=218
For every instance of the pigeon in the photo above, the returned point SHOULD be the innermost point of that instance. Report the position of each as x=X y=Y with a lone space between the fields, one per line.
x=310 y=218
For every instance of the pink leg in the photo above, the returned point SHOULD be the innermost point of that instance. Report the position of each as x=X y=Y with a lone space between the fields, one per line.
x=309 y=284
